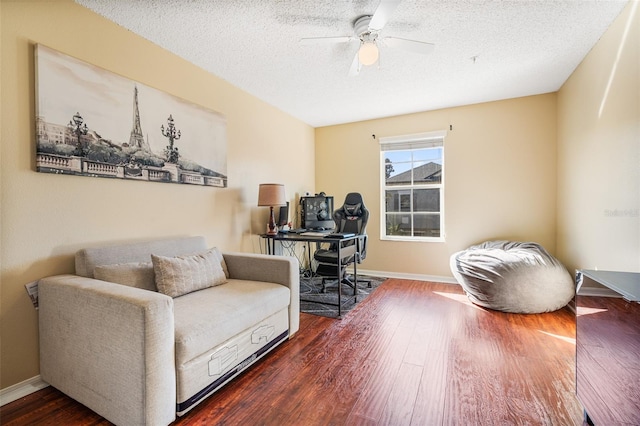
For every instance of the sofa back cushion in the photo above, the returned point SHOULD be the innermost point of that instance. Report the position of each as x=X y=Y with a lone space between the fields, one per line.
x=180 y=275
x=87 y=259
x=135 y=274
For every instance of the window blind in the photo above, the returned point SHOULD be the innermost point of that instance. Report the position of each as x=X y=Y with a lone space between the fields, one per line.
x=414 y=141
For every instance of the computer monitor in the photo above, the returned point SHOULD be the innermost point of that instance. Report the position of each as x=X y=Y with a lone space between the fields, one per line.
x=283 y=215
x=317 y=212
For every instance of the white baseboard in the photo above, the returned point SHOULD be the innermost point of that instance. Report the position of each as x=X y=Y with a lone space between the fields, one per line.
x=22 y=389
x=404 y=276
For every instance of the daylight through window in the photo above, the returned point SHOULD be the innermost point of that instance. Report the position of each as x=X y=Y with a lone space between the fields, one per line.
x=412 y=187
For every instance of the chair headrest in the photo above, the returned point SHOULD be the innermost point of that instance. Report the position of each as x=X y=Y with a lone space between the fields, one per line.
x=353 y=198
x=353 y=209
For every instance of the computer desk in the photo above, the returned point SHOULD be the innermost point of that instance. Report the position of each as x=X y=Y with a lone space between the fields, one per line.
x=345 y=251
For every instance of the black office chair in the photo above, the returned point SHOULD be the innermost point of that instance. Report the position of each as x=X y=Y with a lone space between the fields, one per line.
x=352 y=217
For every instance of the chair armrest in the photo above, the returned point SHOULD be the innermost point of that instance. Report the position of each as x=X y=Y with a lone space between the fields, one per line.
x=274 y=269
x=362 y=254
x=110 y=347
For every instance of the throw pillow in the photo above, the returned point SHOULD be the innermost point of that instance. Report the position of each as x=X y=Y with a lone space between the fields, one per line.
x=132 y=274
x=180 y=275
x=218 y=254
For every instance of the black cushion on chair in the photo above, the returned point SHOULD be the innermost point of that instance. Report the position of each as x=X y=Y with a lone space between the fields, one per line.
x=330 y=256
x=353 y=209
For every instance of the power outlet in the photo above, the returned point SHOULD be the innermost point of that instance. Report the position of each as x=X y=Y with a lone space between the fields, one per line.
x=32 y=291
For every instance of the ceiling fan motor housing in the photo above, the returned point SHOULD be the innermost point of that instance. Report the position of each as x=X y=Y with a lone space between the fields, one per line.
x=361 y=28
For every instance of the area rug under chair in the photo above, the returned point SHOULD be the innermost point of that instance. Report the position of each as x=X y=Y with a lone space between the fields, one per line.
x=323 y=303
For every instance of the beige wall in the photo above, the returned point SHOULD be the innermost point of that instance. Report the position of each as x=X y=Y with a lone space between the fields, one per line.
x=46 y=217
x=500 y=177
x=599 y=153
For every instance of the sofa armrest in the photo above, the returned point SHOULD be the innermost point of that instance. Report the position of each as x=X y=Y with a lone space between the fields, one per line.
x=110 y=347
x=274 y=269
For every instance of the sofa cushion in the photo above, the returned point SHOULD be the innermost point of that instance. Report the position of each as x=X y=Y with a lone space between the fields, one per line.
x=176 y=276
x=88 y=258
x=207 y=318
x=135 y=274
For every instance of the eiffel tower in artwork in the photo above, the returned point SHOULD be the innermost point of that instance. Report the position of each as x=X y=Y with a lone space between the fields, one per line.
x=136 y=140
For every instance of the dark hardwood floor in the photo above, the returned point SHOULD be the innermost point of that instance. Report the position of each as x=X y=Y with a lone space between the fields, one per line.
x=413 y=353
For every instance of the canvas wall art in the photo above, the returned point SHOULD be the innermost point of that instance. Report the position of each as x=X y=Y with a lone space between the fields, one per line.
x=92 y=122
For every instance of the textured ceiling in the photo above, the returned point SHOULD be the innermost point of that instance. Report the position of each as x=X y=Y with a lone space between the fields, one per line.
x=520 y=47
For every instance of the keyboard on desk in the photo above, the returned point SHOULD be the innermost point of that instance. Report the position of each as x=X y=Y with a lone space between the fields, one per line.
x=297 y=231
x=315 y=233
x=340 y=235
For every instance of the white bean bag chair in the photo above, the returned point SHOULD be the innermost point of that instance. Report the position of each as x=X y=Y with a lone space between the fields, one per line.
x=513 y=277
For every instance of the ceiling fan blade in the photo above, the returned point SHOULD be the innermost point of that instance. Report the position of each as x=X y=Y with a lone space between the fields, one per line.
x=413 y=46
x=382 y=14
x=355 y=66
x=325 y=40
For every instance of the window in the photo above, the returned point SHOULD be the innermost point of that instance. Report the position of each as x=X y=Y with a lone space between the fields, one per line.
x=412 y=187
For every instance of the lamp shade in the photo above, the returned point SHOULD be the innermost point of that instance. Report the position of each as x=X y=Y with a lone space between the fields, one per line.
x=271 y=194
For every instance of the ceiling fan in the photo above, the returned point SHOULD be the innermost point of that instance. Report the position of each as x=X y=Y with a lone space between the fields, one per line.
x=366 y=31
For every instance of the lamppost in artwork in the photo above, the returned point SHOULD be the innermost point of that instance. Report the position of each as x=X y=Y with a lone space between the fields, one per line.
x=172 y=134
x=76 y=126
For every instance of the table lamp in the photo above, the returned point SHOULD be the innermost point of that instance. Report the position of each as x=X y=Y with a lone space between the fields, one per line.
x=269 y=195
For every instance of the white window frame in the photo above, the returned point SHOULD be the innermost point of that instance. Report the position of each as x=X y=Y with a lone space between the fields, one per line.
x=408 y=142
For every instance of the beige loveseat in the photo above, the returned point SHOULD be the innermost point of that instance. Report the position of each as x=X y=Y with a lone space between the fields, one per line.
x=139 y=356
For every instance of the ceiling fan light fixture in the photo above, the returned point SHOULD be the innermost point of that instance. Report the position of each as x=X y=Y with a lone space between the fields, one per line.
x=368 y=53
